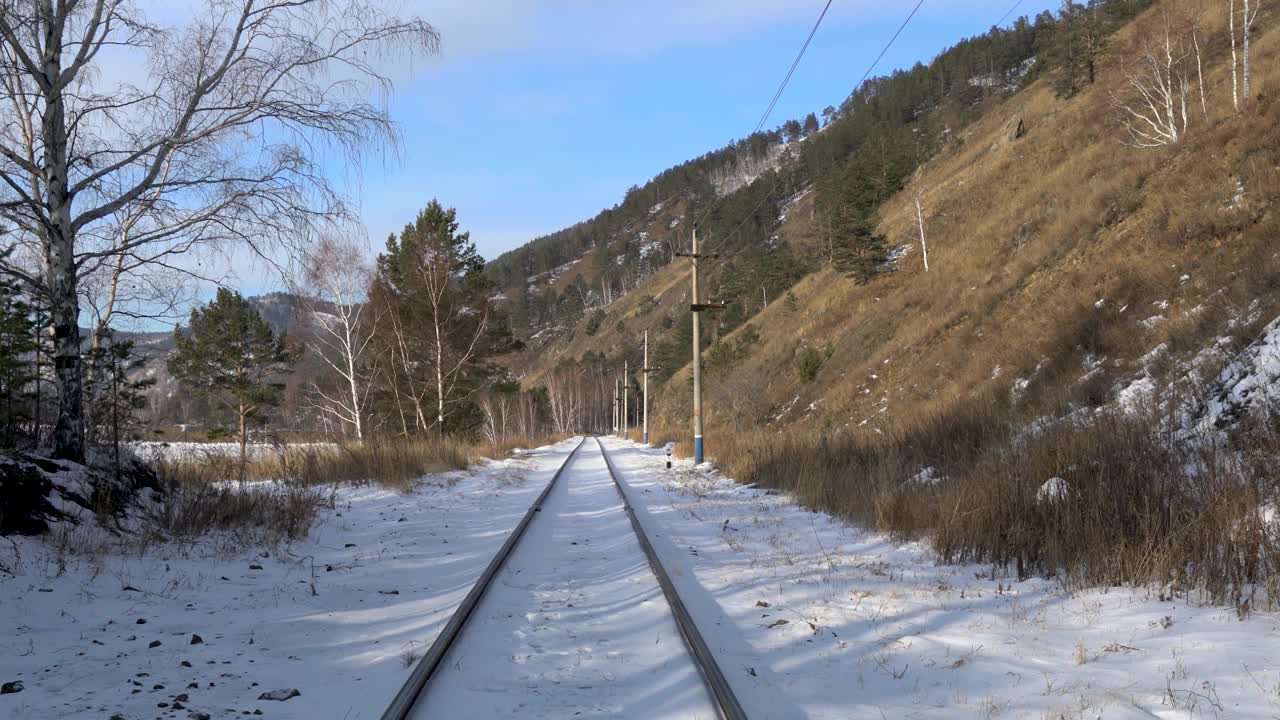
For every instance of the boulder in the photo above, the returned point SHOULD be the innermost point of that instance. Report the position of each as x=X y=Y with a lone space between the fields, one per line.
x=38 y=490
x=1014 y=129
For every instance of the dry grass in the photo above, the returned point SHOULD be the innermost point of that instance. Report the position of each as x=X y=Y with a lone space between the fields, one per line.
x=1025 y=240
x=1057 y=264
x=1139 y=507
x=394 y=462
x=284 y=490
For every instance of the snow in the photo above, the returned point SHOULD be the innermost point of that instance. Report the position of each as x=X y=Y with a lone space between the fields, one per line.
x=807 y=615
x=1053 y=489
x=575 y=623
x=171 y=451
x=387 y=570
x=927 y=476
x=877 y=629
x=1246 y=382
x=1136 y=397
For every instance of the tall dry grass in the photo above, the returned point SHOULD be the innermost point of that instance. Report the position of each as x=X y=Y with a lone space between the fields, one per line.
x=1141 y=505
x=285 y=488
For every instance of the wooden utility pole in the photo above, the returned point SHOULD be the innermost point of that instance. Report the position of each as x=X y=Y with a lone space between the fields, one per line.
x=626 y=407
x=697 y=309
x=615 y=406
x=644 y=410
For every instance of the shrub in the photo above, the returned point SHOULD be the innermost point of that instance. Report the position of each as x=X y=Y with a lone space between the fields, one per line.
x=810 y=361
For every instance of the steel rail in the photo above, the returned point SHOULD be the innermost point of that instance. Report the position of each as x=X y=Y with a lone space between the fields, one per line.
x=726 y=702
x=405 y=700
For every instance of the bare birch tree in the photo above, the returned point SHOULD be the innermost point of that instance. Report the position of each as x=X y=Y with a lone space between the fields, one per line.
x=1246 y=31
x=224 y=140
x=924 y=246
x=342 y=330
x=565 y=400
x=1153 y=106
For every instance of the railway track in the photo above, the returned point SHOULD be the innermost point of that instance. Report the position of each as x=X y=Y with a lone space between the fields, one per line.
x=408 y=702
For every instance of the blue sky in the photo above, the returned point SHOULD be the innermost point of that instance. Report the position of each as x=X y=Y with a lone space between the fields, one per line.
x=540 y=113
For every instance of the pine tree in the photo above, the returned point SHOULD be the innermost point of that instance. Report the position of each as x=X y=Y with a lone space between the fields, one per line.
x=859 y=251
x=230 y=354
x=17 y=343
x=810 y=124
x=431 y=284
x=793 y=129
x=856 y=250
x=114 y=393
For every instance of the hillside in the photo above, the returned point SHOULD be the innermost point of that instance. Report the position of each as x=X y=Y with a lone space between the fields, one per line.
x=563 y=288
x=1093 y=310
x=1058 y=250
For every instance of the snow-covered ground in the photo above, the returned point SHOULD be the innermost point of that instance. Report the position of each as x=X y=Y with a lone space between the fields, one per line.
x=811 y=617
x=808 y=616
x=574 y=625
x=335 y=617
x=154 y=450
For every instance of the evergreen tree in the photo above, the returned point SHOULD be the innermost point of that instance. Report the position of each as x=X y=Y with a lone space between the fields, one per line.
x=17 y=343
x=229 y=353
x=857 y=251
x=793 y=129
x=114 y=393
x=443 y=330
x=810 y=124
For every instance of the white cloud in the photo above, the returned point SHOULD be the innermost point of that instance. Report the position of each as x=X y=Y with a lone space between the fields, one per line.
x=625 y=27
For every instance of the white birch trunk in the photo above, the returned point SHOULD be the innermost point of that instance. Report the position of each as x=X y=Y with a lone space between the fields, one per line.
x=1235 y=61
x=924 y=246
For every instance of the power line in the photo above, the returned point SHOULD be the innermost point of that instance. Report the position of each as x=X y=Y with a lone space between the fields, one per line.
x=776 y=97
x=888 y=45
x=796 y=63
x=721 y=240
x=1011 y=11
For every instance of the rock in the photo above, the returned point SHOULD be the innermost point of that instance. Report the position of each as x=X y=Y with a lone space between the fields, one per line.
x=280 y=695
x=185 y=663
x=140 y=621
x=129 y=588
x=181 y=698
x=39 y=490
x=9 y=688
x=154 y=644
x=196 y=639
x=388 y=592
x=255 y=566
x=198 y=715
x=1014 y=129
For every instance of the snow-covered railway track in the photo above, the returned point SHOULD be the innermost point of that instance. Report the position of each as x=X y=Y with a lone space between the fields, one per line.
x=567 y=620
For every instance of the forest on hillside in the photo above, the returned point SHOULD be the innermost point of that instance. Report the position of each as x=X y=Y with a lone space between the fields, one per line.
x=859 y=154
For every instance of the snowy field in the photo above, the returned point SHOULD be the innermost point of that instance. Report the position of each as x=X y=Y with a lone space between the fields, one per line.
x=335 y=617
x=808 y=617
x=818 y=619
x=174 y=451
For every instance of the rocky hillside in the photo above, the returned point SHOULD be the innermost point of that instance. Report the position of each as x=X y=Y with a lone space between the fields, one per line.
x=1067 y=267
